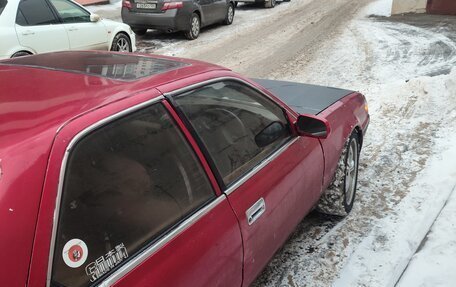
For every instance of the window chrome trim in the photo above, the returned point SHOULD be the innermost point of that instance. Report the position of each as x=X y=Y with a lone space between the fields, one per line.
x=68 y=149
x=141 y=257
x=259 y=166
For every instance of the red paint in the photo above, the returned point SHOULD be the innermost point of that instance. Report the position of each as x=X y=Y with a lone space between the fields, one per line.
x=39 y=116
x=290 y=189
x=444 y=7
x=209 y=253
x=75 y=253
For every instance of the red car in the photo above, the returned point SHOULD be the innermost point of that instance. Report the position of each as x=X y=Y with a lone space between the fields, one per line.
x=132 y=170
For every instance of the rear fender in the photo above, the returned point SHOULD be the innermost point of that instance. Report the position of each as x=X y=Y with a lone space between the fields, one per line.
x=344 y=116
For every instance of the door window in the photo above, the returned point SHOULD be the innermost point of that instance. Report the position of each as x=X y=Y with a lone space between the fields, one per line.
x=2 y=5
x=69 y=12
x=238 y=126
x=126 y=184
x=34 y=12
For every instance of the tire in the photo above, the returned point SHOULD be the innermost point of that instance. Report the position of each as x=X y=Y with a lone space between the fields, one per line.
x=121 y=43
x=338 y=199
x=229 y=17
x=21 y=54
x=270 y=3
x=236 y=4
x=194 y=27
x=139 y=31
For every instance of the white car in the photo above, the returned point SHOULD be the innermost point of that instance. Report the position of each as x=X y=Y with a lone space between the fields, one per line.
x=37 y=26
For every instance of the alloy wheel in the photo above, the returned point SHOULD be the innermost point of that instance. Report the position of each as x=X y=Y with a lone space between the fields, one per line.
x=351 y=171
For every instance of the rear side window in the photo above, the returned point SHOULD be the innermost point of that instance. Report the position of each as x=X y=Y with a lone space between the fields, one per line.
x=2 y=5
x=126 y=184
x=69 y=12
x=34 y=12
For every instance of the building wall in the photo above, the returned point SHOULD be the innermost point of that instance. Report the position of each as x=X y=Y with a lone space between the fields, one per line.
x=409 y=6
x=447 y=7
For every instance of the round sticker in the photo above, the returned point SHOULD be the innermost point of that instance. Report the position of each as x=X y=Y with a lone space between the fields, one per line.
x=75 y=253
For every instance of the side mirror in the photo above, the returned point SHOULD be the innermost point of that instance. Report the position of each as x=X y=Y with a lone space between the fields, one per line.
x=270 y=134
x=94 y=17
x=312 y=126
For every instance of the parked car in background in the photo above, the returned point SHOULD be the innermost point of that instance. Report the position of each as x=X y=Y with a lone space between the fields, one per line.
x=188 y=16
x=37 y=26
x=126 y=170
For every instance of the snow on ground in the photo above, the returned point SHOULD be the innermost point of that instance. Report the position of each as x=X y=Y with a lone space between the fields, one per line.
x=433 y=265
x=381 y=257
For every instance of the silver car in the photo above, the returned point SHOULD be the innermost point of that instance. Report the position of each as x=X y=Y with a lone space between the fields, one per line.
x=188 y=16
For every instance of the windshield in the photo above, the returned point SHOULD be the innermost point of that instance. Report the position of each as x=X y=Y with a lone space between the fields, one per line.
x=2 y=5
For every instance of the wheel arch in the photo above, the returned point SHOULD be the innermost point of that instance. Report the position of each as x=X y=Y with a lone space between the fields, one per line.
x=22 y=51
x=120 y=32
x=359 y=132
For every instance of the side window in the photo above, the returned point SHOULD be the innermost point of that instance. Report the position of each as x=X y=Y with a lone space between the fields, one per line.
x=34 y=12
x=69 y=12
x=125 y=185
x=238 y=126
x=2 y=5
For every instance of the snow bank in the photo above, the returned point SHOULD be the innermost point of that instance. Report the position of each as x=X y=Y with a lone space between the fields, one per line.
x=383 y=255
x=379 y=8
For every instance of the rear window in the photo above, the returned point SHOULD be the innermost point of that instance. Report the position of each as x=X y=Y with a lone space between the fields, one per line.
x=2 y=5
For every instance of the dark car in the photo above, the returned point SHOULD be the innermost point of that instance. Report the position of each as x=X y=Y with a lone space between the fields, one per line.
x=171 y=16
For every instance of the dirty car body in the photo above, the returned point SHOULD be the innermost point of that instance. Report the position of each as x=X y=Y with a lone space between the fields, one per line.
x=130 y=170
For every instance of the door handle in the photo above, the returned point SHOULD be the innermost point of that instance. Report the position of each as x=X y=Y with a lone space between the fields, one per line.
x=28 y=32
x=72 y=29
x=255 y=211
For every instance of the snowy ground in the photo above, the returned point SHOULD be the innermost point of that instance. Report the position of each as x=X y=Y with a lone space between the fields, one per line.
x=408 y=164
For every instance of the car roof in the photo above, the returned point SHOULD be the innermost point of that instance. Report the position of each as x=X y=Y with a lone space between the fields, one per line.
x=45 y=91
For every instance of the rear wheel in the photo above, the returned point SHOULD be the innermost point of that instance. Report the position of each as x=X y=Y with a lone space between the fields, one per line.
x=229 y=15
x=270 y=3
x=194 y=28
x=121 y=43
x=338 y=199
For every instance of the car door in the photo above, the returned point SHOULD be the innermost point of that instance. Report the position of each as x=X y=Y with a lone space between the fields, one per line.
x=209 y=12
x=38 y=28
x=272 y=177
x=220 y=7
x=82 y=33
x=135 y=205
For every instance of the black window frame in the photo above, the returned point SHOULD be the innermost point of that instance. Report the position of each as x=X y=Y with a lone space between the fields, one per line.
x=175 y=94
x=5 y=2
x=81 y=135
x=51 y=9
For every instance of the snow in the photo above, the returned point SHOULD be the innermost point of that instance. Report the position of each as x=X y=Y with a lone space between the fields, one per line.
x=383 y=255
x=379 y=8
x=434 y=264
